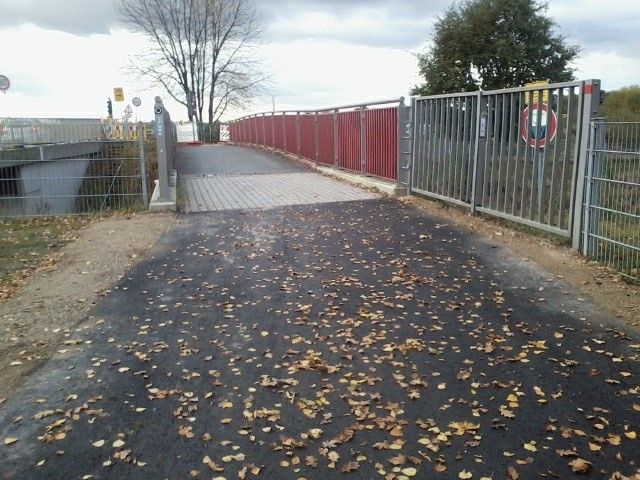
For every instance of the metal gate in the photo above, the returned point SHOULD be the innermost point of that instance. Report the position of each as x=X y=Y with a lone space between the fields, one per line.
x=612 y=197
x=512 y=153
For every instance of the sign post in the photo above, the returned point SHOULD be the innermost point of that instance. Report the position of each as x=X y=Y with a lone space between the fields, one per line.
x=538 y=128
x=136 y=103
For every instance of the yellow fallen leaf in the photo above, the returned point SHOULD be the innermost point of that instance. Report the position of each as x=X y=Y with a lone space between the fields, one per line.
x=530 y=446
x=10 y=440
x=594 y=447
x=464 y=475
x=264 y=333
x=631 y=435
x=98 y=443
x=409 y=471
x=118 y=443
x=614 y=439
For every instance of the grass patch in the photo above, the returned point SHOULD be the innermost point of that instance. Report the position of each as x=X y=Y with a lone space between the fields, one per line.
x=26 y=245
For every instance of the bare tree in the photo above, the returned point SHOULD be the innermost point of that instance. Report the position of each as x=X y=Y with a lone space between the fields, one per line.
x=203 y=46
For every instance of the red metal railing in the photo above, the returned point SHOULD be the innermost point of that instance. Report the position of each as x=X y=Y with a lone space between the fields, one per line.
x=361 y=138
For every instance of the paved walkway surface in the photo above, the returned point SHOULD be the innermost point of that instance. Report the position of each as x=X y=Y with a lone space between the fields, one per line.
x=228 y=178
x=356 y=339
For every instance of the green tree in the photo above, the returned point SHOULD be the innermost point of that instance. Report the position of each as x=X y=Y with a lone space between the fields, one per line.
x=622 y=105
x=493 y=44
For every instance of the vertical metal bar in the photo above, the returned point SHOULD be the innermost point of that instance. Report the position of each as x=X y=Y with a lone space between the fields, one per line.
x=587 y=205
x=565 y=158
x=464 y=164
x=298 y=133
x=412 y=131
x=476 y=151
x=508 y=160
x=420 y=135
x=143 y=164
x=552 y=190
x=315 y=136
x=363 y=146
x=284 y=133
x=591 y=103
x=335 y=137
x=525 y=162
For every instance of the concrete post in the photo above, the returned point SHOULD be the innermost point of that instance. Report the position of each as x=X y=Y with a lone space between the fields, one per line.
x=590 y=108
x=161 y=146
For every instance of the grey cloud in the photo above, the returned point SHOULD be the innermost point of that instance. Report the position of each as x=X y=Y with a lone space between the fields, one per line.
x=80 y=17
x=407 y=23
x=592 y=35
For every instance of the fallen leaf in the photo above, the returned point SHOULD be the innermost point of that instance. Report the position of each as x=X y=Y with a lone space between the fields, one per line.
x=580 y=465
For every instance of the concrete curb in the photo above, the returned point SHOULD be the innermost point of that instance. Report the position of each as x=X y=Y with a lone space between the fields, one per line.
x=384 y=186
x=389 y=188
x=171 y=205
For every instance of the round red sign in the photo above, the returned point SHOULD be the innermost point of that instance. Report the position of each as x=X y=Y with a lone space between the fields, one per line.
x=541 y=128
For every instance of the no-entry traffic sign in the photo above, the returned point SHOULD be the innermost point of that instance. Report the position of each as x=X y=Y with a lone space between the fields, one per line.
x=538 y=125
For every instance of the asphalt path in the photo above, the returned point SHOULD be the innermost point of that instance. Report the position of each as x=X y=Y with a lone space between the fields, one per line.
x=347 y=340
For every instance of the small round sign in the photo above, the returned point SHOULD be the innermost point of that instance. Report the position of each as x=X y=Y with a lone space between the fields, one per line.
x=541 y=128
x=136 y=102
x=4 y=83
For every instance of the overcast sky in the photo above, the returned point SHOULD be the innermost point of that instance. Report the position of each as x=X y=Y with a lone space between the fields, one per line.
x=65 y=56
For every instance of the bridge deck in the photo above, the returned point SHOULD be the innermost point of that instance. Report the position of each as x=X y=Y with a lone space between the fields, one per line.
x=229 y=178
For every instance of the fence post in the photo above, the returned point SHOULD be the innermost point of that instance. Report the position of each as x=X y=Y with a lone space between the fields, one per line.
x=590 y=107
x=335 y=137
x=406 y=139
x=143 y=164
x=315 y=136
x=363 y=139
x=161 y=145
x=273 y=131
x=476 y=151
x=298 y=133
x=588 y=187
x=284 y=134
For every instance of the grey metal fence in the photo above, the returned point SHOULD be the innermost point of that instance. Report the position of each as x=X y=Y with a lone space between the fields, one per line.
x=77 y=177
x=36 y=131
x=515 y=153
x=611 y=227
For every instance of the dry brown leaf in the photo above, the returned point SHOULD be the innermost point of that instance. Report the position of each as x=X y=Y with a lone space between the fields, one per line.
x=580 y=465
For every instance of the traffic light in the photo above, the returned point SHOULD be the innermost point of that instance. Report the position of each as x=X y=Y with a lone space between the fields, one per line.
x=109 y=108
